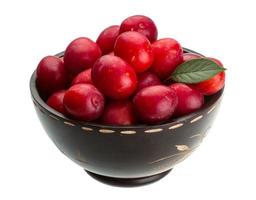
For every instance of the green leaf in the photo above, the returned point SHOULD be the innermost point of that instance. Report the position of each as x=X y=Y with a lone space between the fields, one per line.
x=196 y=71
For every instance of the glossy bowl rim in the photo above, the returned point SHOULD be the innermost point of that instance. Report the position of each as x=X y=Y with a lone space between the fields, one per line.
x=36 y=97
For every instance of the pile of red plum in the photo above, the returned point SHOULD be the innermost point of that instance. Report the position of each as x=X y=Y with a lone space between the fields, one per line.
x=121 y=78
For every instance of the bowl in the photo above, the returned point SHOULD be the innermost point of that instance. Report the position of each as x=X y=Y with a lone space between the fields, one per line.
x=126 y=155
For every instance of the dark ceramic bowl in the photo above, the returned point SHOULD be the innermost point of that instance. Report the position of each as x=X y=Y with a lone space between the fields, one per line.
x=126 y=155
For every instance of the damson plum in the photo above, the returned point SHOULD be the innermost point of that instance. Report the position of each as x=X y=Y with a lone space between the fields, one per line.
x=83 y=77
x=141 y=24
x=119 y=113
x=155 y=104
x=84 y=102
x=51 y=75
x=55 y=101
x=147 y=79
x=114 y=77
x=135 y=49
x=168 y=54
x=81 y=54
x=189 y=99
x=214 y=84
x=107 y=38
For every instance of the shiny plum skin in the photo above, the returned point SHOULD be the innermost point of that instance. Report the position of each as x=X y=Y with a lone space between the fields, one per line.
x=168 y=54
x=81 y=54
x=135 y=49
x=155 y=104
x=189 y=99
x=84 y=102
x=147 y=79
x=190 y=56
x=141 y=24
x=119 y=113
x=55 y=101
x=114 y=77
x=213 y=85
x=107 y=38
x=83 y=77
x=51 y=76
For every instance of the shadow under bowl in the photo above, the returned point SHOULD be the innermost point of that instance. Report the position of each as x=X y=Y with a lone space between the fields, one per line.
x=126 y=155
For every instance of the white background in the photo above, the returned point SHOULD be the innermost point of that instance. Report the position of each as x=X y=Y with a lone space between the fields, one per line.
x=31 y=167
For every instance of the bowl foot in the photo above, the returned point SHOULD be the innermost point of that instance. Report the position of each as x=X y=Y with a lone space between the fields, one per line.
x=128 y=182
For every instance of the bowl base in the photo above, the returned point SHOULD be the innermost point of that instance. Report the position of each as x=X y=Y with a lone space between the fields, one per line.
x=128 y=182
